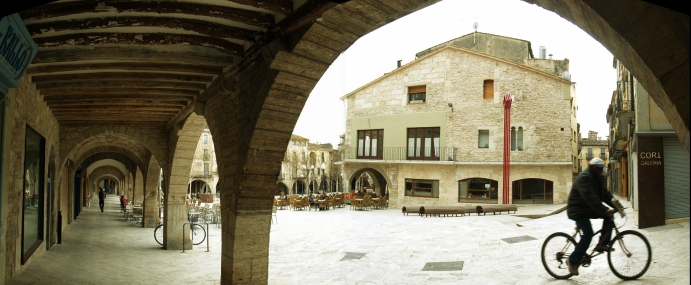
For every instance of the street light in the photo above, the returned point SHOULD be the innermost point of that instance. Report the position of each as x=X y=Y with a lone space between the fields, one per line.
x=311 y=176
x=323 y=176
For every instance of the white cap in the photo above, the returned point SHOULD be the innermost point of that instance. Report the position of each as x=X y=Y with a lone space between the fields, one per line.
x=597 y=161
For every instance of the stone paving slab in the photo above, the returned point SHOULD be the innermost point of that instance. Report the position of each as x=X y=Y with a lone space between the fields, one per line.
x=308 y=247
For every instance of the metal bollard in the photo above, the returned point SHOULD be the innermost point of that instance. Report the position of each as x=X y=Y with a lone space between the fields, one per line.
x=183 y=237
x=208 y=236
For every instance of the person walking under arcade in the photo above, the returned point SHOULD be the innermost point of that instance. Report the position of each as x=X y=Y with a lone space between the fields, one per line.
x=101 y=198
x=585 y=203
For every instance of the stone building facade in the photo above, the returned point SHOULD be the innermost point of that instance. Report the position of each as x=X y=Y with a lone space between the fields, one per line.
x=592 y=147
x=308 y=168
x=648 y=166
x=431 y=132
x=204 y=172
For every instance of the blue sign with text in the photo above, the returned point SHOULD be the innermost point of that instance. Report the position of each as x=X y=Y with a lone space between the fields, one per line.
x=17 y=50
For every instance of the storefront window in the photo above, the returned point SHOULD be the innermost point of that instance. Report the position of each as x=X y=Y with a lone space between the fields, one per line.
x=32 y=214
x=481 y=190
x=532 y=191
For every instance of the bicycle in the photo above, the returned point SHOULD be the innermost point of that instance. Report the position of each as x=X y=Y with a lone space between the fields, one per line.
x=195 y=229
x=629 y=255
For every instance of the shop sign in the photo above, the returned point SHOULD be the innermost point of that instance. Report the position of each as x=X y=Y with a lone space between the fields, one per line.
x=17 y=50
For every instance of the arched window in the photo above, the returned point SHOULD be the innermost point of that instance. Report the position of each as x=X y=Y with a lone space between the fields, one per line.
x=513 y=138
x=532 y=191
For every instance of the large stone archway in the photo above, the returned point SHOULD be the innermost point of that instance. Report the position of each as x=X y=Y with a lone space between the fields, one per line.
x=253 y=109
x=182 y=145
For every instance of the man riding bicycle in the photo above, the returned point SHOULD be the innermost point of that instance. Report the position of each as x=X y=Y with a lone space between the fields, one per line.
x=585 y=203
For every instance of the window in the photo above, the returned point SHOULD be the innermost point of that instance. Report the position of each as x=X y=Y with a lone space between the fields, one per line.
x=32 y=211
x=206 y=154
x=417 y=93
x=206 y=138
x=422 y=188
x=477 y=189
x=532 y=191
x=519 y=139
x=423 y=143
x=206 y=168
x=370 y=144
x=488 y=89
x=513 y=138
x=590 y=153
x=602 y=153
x=483 y=139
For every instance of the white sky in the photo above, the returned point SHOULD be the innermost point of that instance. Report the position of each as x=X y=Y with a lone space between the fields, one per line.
x=323 y=118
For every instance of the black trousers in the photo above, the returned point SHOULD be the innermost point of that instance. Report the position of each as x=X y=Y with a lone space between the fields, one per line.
x=100 y=204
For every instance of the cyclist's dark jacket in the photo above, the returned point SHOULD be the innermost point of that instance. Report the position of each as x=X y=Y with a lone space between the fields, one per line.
x=586 y=197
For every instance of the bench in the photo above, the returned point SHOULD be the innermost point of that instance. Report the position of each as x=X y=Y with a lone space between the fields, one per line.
x=445 y=210
x=484 y=209
x=410 y=210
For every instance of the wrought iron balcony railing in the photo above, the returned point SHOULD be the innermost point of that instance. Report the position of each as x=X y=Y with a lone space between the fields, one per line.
x=403 y=153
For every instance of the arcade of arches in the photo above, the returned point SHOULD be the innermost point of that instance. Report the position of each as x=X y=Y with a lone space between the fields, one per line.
x=159 y=94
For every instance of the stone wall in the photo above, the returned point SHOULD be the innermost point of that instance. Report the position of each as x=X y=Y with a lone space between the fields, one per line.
x=25 y=107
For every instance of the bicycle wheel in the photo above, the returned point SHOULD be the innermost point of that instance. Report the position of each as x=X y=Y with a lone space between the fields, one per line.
x=158 y=234
x=630 y=256
x=197 y=233
x=555 y=250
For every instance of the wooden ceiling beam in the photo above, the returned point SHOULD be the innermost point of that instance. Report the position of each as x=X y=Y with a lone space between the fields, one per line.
x=252 y=18
x=117 y=91
x=108 y=124
x=109 y=112
x=129 y=53
x=131 y=66
x=120 y=76
x=283 y=7
x=121 y=84
x=115 y=102
x=123 y=120
x=206 y=28
x=106 y=107
x=109 y=97
x=88 y=39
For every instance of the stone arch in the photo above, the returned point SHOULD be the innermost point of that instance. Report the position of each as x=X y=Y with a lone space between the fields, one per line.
x=106 y=169
x=137 y=140
x=137 y=157
x=119 y=157
x=266 y=94
x=182 y=145
x=280 y=186
x=381 y=180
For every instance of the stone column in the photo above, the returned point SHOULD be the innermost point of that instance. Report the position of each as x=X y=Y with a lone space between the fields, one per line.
x=138 y=188
x=151 y=218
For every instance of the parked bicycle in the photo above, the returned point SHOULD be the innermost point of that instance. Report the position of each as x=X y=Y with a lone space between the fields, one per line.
x=197 y=231
x=629 y=255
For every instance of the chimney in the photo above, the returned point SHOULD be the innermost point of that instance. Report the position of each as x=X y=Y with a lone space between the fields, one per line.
x=592 y=135
x=550 y=56
x=398 y=63
x=543 y=52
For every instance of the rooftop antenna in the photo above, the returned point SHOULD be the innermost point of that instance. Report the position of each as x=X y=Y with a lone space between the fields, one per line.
x=474 y=27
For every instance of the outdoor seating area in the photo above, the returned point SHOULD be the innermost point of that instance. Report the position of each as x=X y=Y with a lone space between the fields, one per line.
x=201 y=212
x=369 y=201
x=311 y=202
x=458 y=210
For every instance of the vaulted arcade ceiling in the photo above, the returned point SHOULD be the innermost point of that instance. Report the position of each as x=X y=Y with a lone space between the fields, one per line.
x=125 y=62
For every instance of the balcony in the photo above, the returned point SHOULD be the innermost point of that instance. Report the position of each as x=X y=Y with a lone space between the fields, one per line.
x=201 y=174
x=404 y=153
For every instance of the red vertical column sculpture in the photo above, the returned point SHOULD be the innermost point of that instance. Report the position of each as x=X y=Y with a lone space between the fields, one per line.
x=507 y=151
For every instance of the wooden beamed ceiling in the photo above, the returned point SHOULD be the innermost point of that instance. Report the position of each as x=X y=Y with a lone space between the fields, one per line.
x=134 y=62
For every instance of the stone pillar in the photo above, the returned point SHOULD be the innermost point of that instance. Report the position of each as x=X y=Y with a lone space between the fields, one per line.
x=151 y=218
x=138 y=189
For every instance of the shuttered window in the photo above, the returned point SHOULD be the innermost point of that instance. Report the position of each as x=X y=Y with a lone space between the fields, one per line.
x=488 y=89
x=417 y=93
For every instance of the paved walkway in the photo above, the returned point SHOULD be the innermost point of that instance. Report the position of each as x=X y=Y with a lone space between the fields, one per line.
x=343 y=246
